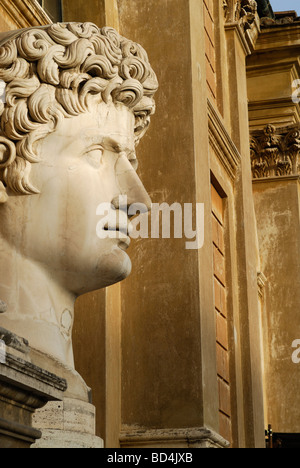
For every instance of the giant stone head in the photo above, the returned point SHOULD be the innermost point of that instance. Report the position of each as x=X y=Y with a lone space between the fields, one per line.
x=78 y=99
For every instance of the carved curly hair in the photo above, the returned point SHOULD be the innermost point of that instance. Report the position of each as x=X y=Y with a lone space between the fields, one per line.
x=51 y=73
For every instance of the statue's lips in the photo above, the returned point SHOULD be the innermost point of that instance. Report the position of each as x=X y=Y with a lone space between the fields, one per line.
x=120 y=229
x=119 y=234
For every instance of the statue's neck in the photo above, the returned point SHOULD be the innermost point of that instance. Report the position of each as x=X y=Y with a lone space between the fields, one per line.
x=38 y=308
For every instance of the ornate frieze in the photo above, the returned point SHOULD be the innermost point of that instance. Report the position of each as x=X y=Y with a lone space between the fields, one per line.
x=275 y=152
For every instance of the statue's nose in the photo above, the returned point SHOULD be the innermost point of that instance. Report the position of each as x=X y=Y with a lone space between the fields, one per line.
x=131 y=185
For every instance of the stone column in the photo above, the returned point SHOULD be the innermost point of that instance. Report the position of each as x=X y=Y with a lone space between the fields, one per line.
x=242 y=29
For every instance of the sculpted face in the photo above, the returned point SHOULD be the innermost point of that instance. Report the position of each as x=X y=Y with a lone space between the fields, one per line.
x=78 y=99
x=88 y=160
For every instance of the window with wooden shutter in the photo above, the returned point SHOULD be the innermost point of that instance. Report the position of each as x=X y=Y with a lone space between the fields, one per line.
x=210 y=54
x=222 y=342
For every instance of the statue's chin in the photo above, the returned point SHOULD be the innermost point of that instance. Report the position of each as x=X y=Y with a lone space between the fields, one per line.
x=111 y=270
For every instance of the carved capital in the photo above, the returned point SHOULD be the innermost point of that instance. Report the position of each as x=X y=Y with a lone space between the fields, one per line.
x=275 y=152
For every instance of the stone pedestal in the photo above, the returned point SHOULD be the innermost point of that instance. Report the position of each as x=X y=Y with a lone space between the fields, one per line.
x=37 y=408
x=24 y=387
x=67 y=424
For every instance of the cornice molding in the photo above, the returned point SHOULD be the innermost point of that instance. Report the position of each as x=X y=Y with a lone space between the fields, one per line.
x=276 y=38
x=25 y=13
x=284 y=18
x=290 y=63
x=276 y=179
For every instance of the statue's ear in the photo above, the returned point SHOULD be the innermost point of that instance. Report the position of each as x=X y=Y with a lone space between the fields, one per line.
x=7 y=157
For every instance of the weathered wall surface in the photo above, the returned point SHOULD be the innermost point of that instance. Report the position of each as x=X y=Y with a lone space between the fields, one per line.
x=160 y=301
x=277 y=211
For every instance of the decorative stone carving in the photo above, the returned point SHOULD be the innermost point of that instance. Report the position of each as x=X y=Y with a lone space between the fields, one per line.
x=275 y=152
x=78 y=101
x=225 y=7
x=246 y=12
x=241 y=11
x=280 y=19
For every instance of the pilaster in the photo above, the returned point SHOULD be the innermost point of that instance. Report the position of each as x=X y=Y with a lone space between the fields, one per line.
x=242 y=30
x=276 y=174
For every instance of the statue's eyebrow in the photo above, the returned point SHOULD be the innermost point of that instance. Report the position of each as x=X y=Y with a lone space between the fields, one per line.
x=113 y=145
x=110 y=144
x=118 y=147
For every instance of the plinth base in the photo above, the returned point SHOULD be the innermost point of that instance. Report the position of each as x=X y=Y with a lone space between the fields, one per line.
x=201 y=437
x=24 y=388
x=65 y=439
x=67 y=424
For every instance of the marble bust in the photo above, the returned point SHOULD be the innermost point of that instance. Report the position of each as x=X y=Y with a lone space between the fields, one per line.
x=77 y=101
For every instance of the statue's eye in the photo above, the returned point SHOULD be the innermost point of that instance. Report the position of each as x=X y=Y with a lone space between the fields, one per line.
x=94 y=156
